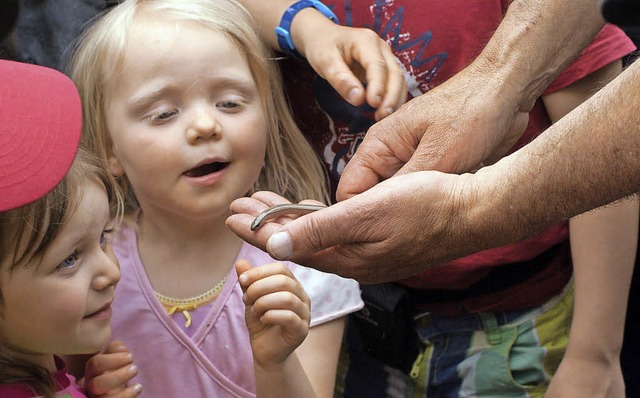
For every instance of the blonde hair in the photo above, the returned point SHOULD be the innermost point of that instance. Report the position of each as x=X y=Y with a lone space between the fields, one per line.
x=25 y=235
x=291 y=169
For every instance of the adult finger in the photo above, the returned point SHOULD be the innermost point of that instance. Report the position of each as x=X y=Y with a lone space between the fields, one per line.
x=317 y=231
x=387 y=146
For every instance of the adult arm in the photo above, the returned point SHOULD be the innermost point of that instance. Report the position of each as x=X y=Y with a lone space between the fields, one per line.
x=344 y=56
x=408 y=223
x=480 y=112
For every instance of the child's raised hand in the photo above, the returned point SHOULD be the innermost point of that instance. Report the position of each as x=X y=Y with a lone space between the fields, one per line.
x=107 y=373
x=347 y=56
x=277 y=311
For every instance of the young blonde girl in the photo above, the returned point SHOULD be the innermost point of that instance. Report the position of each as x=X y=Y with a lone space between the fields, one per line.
x=184 y=103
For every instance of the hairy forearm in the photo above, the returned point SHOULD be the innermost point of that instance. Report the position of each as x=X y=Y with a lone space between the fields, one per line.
x=587 y=159
x=535 y=41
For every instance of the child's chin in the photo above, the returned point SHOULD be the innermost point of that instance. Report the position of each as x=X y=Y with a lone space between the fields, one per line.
x=97 y=343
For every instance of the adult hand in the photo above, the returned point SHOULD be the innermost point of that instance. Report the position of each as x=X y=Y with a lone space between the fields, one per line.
x=365 y=237
x=453 y=128
x=346 y=57
x=107 y=373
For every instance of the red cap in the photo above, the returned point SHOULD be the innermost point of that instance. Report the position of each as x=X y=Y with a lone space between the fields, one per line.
x=40 y=127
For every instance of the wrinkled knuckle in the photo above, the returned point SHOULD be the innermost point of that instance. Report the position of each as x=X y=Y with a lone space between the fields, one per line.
x=312 y=235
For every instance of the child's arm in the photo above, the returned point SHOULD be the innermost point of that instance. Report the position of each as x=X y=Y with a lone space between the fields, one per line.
x=107 y=373
x=278 y=315
x=344 y=56
x=603 y=246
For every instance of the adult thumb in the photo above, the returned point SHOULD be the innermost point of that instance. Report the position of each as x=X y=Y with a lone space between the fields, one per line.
x=312 y=233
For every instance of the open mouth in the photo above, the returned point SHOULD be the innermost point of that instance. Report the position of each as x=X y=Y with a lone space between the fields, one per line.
x=206 y=169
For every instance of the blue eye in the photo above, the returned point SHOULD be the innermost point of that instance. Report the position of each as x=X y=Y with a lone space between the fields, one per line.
x=70 y=261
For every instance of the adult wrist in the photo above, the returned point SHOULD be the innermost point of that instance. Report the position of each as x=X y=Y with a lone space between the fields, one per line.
x=506 y=81
x=497 y=208
x=522 y=52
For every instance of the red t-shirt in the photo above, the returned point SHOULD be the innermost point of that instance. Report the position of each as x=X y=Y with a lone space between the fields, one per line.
x=434 y=40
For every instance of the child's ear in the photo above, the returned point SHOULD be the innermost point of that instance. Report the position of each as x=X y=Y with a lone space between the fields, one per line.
x=114 y=166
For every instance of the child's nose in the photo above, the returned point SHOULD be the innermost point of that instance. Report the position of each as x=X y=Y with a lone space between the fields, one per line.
x=109 y=272
x=204 y=126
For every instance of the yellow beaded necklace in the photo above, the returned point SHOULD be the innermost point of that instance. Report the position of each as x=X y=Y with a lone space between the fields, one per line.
x=189 y=304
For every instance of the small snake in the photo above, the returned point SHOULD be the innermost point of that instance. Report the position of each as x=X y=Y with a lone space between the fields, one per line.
x=278 y=210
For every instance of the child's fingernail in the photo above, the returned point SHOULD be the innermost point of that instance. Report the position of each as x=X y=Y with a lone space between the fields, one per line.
x=133 y=369
x=389 y=110
x=353 y=94
x=137 y=388
x=243 y=279
x=279 y=245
